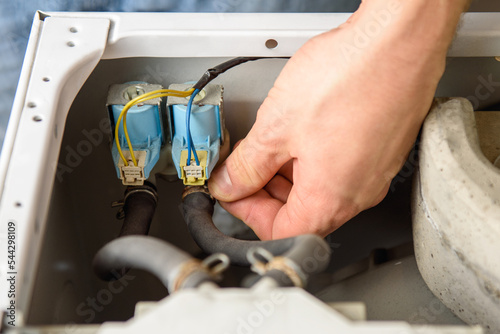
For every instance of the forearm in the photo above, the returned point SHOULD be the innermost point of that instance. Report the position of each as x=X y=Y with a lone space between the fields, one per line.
x=410 y=36
x=413 y=27
x=429 y=25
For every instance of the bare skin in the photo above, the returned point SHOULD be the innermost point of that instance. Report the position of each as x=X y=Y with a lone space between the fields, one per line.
x=340 y=120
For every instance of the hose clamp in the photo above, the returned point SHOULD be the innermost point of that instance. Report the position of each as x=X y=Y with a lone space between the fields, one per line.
x=188 y=190
x=280 y=263
x=146 y=188
x=141 y=190
x=213 y=266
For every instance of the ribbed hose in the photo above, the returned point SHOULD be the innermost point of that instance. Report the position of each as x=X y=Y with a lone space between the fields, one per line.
x=309 y=253
x=147 y=253
x=139 y=208
x=198 y=208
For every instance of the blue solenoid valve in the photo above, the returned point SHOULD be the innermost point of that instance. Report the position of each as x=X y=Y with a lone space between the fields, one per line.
x=207 y=132
x=145 y=130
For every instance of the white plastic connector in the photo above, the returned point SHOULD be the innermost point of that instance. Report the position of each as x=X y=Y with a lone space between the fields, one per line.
x=193 y=171
x=192 y=174
x=133 y=175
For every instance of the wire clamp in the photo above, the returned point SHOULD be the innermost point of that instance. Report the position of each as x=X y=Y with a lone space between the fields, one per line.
x=119 y=204
x=216 y=264
x=280 y=263
x=188 y=190
x=213 y=266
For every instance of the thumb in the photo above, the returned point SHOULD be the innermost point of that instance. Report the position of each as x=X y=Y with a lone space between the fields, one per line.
x=249 y=167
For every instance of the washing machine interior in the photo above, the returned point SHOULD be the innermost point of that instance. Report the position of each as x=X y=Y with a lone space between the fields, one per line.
x=59 y=181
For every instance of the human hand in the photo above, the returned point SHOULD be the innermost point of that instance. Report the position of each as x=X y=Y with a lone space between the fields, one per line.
x=339 y=121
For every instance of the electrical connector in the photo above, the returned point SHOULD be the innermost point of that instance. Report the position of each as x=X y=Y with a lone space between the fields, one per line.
x=145 y=129
x=133 y=175
x=207 y=132
x=193 y=171
x=193 y=174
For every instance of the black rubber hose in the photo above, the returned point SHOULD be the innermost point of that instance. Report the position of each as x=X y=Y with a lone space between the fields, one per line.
x=139 y=208
x=198 y=209
x=156 y=256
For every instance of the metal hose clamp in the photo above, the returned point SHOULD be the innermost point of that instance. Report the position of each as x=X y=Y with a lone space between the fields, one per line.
x=148 y=189
x=188 y=190
x=213 y=266
x=280 y=263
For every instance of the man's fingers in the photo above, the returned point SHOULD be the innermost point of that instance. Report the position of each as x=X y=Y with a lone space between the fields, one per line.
x=257 y=211
x=237 y=144
x=279 y=188
x=287 y=170
x=249 y=168
x=311 y=214
x=270 y=218
x=294 y=218
x=260 y=209
x=279 y=212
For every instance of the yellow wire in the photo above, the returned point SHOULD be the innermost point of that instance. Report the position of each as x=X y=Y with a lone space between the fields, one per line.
x=141 y=98
x=161 y=91
x=124 y=114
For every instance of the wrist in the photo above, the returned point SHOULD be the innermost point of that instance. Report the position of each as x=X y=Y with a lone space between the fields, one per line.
x=413 y=33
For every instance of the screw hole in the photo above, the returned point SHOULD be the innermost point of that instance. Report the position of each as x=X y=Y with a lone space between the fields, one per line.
x=46 y=79
x=271 y=43
x=18 y=204
x=37 y=118
x=73 y=30
x=31 y=105
x=71 y=44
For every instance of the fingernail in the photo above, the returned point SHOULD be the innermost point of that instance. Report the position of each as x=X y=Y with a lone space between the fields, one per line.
x=221 y=183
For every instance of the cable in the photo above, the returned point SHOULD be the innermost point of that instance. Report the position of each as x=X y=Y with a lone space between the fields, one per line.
x=291 y=260
x=207 y=77
x=123 y=115
x=130 y=104
x=125 y=129
x=188 y=130
x=214 y=72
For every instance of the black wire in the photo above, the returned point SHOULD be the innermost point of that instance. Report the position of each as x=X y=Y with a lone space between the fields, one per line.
x=214 y=72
